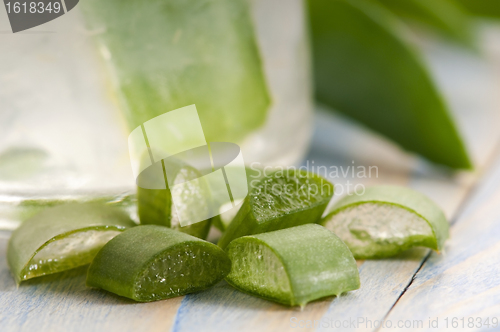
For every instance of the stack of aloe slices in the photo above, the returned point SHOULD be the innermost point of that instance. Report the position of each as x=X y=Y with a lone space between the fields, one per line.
x=276 y=248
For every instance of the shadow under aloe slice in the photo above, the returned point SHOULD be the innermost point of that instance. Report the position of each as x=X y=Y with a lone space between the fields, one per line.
x=149 y=263
x=62 y=238
x=281 y=200
x=292 y=266
x=387 y=220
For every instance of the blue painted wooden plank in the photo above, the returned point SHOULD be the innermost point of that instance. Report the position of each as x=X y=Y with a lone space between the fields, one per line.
x=223 y=308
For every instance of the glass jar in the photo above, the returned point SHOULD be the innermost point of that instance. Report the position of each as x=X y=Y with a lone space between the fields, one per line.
x=64 y=137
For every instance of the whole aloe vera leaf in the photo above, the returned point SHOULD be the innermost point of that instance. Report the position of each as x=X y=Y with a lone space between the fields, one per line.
x=280 y=200
x=365 y=70
x=488 y=8
x=386 y=220
x=62 y=237
x=155 y=263
x=166 y=54
x=445 y=16
x=292 y=266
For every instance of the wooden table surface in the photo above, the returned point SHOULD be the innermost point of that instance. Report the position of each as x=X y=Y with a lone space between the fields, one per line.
x=409 y=292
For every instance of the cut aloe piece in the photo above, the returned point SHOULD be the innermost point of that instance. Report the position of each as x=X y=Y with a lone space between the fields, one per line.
x=149 y=263
x=365 y=69
x=445 y=16
x=292 y=266
x=488 y=8
x=281 y=200
x=387 y=220
x=62 y=237
x=166 y=54
x=155 y=206
x=222 y=221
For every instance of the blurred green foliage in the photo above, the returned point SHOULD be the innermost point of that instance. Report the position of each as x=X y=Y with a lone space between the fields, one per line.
x=364 y=68
x=444 y=16
x=488 y=8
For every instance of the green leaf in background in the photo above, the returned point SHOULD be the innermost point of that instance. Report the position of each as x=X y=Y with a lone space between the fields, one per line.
x=365 y=70
x=488 y=8
x=166 y=54
x=446 y=16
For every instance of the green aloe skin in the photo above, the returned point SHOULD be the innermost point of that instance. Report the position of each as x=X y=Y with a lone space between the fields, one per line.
x=152 y=263
x=364 y=68
x=155 y=206
x=387 y=220
x=487 y=8
x=292 y=266
x=445 y=16
x=281 y=200
x=62 y=238
x=222 y=221
x=166 y=54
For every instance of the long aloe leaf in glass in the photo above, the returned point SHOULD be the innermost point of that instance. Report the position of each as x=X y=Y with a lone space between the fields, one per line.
x=386 y=220
x=166 y=54
x=365 y=69
x=63 y=237
x=292 y=266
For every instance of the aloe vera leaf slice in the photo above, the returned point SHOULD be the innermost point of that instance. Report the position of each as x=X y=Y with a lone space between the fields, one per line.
x=365 y=69
x=487 y=8
x=387 y=220
x=155 y=206
x=222 y=221
x=164 y=55
x=149 y=263
x=445 y=16
x=292 y=266
x=281 y=200
x=62 y=238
